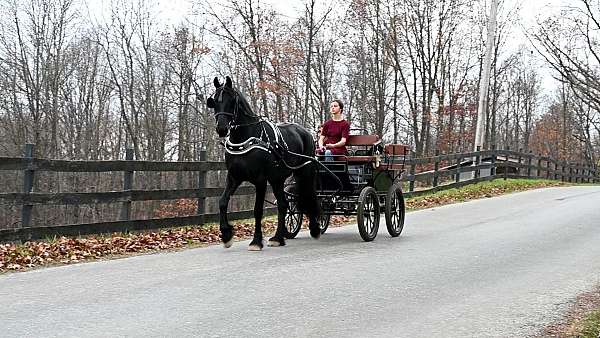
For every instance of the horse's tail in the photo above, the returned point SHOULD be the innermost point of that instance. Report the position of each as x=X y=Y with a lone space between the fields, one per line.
x=306 y=180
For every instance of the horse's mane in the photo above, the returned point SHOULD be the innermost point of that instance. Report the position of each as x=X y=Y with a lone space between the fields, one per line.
x=242 y=101
x=246 y=106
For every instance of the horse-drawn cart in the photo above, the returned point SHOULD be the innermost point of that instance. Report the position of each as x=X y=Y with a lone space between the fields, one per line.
x=360 y=183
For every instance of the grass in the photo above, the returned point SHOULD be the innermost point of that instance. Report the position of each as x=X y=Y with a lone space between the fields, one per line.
x=477 y=191
x=589 y=327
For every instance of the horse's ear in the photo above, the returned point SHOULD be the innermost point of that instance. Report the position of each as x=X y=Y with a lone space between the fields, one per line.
x=210 y=103
x=228 y=82
x=216 y=82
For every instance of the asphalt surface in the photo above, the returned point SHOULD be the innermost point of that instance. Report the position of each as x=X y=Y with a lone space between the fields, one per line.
x=499 y=267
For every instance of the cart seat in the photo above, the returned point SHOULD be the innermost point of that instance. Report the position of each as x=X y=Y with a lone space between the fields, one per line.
x=363 y=148
x=397 y=149
x=362 y=140
x=396 y=155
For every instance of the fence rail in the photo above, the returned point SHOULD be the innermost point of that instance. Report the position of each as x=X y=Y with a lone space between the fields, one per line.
x=422 y=175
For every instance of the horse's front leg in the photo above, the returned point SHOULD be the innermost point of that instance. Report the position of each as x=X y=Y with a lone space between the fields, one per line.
x=225 y=227
x=282 y=206
x=257 y=241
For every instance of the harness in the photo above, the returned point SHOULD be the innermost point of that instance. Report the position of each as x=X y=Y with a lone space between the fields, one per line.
x=257 y=142
x=264 y=142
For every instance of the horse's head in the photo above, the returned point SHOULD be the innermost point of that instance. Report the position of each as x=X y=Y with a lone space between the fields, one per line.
x=225 y=102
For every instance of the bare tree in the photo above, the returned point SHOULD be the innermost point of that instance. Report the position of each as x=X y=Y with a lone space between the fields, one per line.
x=34 y=42
x=249 y=39
x=569 y=43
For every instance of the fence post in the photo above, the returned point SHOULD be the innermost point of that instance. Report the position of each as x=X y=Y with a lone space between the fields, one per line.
x=538 y=172
x=520 y=158
x=127 y=184
x=457 y=177
x=436 y=167
x=529 y=160
x=411 y=183
x=506 y=164
x=571 y=172
x=477 y=162
x=28 y=177
x=588 y=174
x=561 y=174
x=547 y=168
x=493 y=161
x=201 y=188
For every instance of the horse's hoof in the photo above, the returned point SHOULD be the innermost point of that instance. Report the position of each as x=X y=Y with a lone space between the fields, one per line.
x=228 y=245
x=275 y=243
x=254 y=247
x=316 y=234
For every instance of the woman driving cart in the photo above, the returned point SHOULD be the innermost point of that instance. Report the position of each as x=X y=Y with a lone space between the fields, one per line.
x=334 y=133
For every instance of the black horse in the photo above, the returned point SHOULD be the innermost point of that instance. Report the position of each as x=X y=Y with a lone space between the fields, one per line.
x=257 y=151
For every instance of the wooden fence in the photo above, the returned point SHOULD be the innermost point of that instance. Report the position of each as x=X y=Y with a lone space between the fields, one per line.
x=448 y=169
x=422 y=175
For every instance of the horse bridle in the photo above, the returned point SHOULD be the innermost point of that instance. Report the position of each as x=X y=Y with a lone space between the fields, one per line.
x=235 y=108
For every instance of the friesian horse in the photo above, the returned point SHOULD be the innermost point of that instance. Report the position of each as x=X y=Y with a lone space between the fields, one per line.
x=258 y=151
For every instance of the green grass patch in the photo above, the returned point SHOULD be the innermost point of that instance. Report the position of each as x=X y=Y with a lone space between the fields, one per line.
x=588 y=327
x=477 y=191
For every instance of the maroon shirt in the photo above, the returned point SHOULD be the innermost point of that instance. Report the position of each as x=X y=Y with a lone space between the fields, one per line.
x=333 y=132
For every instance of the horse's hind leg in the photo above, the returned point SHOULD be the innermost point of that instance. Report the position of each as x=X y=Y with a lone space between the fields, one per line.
x=307 y=198
x=225 y=227
x=282 y=205
x=257 y=241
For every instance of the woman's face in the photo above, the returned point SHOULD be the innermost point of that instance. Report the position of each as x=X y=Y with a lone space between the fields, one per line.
x=334 y=108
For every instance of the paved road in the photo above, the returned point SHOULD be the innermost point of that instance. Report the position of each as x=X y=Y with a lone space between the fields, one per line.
x=499 y=267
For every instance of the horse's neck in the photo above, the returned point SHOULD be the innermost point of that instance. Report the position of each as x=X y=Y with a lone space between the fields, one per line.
x=242 y=133
x=247 y=127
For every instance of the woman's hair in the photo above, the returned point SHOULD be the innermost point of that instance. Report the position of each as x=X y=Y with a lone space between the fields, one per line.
x=340 y=103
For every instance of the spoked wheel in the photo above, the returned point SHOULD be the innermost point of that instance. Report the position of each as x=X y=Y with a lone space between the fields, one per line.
x=324 y=222
x=394 y=210
x=293 y=217
x=293 y=220
x=368 y=214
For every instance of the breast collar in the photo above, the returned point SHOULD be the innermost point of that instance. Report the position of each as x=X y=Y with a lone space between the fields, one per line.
x=262 y=143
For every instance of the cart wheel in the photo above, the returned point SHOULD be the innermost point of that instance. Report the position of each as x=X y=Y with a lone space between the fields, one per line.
x=394 y=210
x=324 y=222
x=368 y=214
x=293 y=217
x=293 y=220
